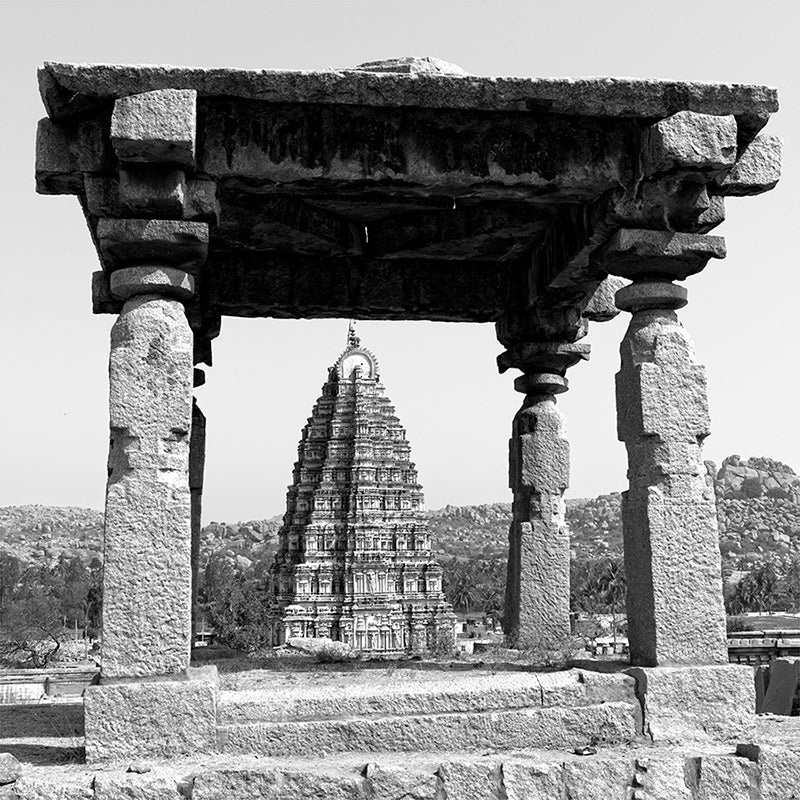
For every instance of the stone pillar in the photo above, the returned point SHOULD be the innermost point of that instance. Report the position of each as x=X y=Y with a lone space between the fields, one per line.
x=672 y=558
x=147 y=565
x=538 y=578
x=197 y=460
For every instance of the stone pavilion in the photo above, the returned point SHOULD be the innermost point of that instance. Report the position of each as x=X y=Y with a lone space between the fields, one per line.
x=354 y=559
x=407 y=189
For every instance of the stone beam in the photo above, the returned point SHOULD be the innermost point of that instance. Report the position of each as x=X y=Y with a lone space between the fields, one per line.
x=442 y=151
x=289 y=286
x=70 y=90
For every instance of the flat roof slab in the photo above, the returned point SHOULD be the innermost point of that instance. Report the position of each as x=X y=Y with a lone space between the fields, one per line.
x=69 y=89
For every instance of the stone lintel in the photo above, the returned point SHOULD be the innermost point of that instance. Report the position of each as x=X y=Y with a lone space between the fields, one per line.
x=688 y=703
x=156 y=127
x=531 y=357
x=160 y=719
x=636 y=253
x=688 y=140
x=69 y=89
x=757 y=170
x=125 y=242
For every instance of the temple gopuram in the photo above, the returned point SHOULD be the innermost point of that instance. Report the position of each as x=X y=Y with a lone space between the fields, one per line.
x=354 y=560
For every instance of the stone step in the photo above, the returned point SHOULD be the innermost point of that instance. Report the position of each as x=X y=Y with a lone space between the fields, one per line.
x=545 y=728
x=613 y=773
x=412 y=693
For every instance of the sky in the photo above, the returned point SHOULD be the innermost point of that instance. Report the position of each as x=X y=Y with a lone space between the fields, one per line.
x=442 y=377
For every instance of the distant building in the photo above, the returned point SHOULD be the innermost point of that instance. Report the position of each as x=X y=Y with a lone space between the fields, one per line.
x=354 y=560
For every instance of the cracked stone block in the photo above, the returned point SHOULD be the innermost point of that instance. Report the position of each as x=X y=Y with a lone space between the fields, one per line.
x=696 y=703
x=147 y=569
x=156 y=127
x=150 y=719
x=690 y=140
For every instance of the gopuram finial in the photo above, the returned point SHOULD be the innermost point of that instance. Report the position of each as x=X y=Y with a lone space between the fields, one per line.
x=352 y=339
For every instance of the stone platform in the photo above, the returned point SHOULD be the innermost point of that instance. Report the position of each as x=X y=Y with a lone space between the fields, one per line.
x=409 y=710
x=395 y=733
x=638 y=771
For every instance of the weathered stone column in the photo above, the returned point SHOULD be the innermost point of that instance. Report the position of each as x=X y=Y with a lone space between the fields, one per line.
x=538 y=578
x=672 y=558
x=197 y=460
x=147 y=568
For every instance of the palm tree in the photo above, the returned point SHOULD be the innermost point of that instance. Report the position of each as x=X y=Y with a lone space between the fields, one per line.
x=612 y=585
x=462 y=594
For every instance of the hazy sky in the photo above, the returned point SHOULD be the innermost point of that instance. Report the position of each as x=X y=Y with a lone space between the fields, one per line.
x=442 y=377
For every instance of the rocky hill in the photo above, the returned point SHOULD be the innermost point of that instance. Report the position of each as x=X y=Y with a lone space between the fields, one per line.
x=41 y=534
x=758 y=504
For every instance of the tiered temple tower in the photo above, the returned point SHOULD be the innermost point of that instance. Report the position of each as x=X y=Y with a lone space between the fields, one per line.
x=354 y=558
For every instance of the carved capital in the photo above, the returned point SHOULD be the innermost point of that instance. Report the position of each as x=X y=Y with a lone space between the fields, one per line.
x=128 y=242
x=646 y=295
x=155 y=279
x=636 y=253
x=544 y=365
x=555 y=357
